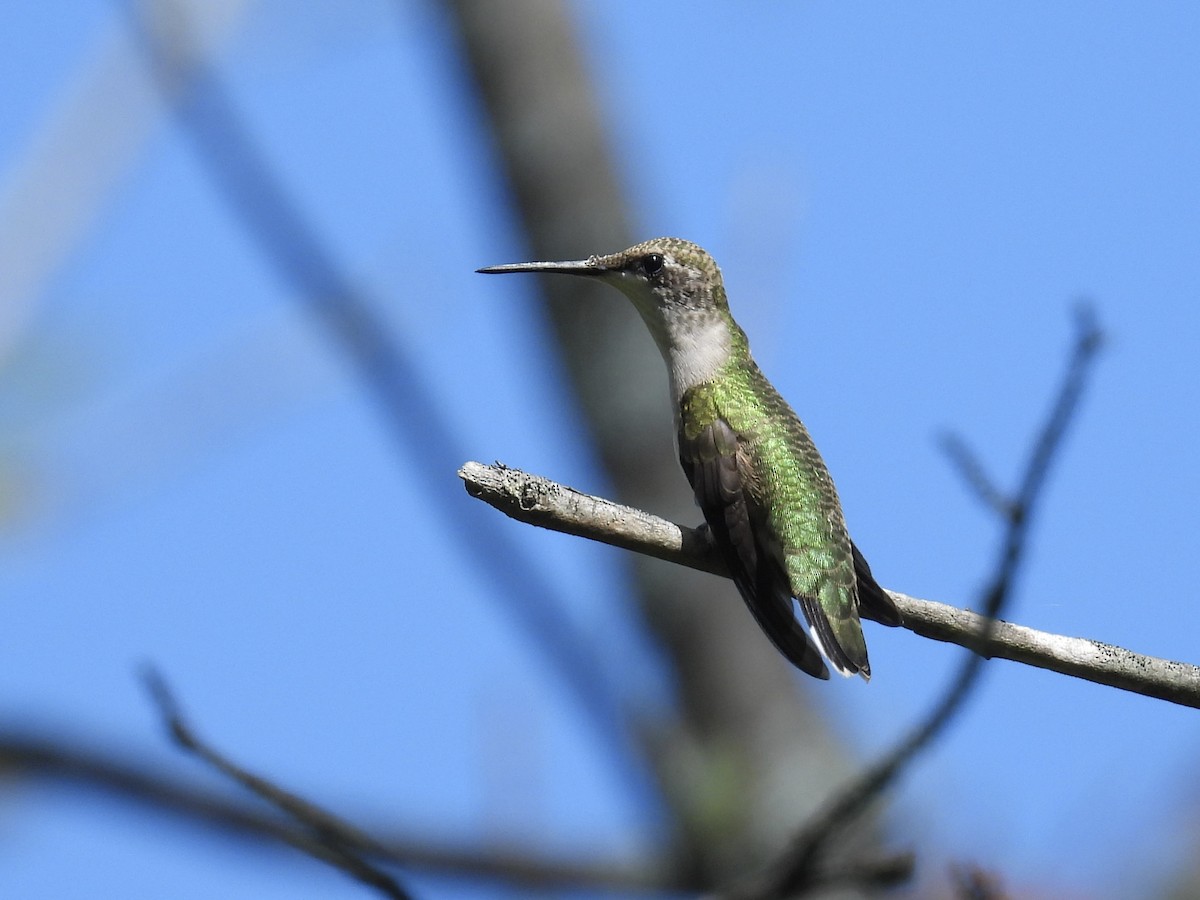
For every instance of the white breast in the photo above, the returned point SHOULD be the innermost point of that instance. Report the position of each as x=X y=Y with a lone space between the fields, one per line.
x=698 y=349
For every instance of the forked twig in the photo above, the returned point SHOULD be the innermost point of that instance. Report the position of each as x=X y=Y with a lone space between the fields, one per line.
x=324 y=836
x=799 y=865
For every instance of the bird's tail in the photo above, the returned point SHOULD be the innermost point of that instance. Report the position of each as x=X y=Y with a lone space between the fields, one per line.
x=776 y=618
x=840 y=639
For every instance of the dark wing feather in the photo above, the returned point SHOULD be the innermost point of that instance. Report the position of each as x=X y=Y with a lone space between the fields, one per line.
x=710 y=461
x=873 y=601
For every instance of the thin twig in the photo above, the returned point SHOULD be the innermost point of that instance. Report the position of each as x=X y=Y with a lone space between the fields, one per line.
x=130 y=779
x=323 y=835
x=972 y=472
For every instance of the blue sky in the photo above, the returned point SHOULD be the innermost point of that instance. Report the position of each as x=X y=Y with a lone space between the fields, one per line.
x=906 y=201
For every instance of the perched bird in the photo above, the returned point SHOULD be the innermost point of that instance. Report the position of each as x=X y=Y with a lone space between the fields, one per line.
x=770 y=504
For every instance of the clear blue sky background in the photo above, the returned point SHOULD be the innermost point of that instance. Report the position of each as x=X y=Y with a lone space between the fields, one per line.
x=906 y=200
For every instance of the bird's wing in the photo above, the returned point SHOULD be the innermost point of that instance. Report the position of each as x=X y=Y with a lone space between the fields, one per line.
x=805 y=517
x=717 y=469
x=872 y=599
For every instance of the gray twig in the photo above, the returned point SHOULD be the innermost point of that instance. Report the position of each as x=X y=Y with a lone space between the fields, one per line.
x=130 y=779
x=972 y=472
x=323 y=835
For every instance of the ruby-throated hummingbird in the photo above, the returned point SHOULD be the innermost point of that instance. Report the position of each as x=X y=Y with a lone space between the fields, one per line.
x=770 y=504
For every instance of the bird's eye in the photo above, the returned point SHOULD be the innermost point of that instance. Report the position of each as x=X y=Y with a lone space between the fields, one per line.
x=652 y=263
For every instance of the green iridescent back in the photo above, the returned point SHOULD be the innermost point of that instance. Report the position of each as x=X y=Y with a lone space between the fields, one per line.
x=786 y=479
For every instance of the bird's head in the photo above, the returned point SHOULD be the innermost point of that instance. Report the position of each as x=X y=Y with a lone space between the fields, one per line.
x=677 y=288
x=670 y=281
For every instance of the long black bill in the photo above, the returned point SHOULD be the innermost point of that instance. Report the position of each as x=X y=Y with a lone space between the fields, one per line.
x=574 y=267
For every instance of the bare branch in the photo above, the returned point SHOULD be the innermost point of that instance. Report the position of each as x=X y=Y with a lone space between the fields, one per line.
x=132 y=780
x=539 y=501
x=323 y=835
x=548 y=504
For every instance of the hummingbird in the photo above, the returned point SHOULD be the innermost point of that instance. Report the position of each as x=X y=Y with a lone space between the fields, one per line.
x=768 y=499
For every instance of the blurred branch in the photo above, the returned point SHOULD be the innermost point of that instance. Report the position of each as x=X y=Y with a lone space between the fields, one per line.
x=130 y=780
x=799 y=866
x=973 y=883
x=283 y=234
x=972 y=471
x=742 y=753
x=322 y=835
x=55 y=188
x=872 y=873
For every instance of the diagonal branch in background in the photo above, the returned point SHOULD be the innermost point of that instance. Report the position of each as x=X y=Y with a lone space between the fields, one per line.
x=539 y=501
x=277 y=226
x=798 y=866
x=552 y=135
x=322 y=835
x=972 y=471
x=129 y=778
